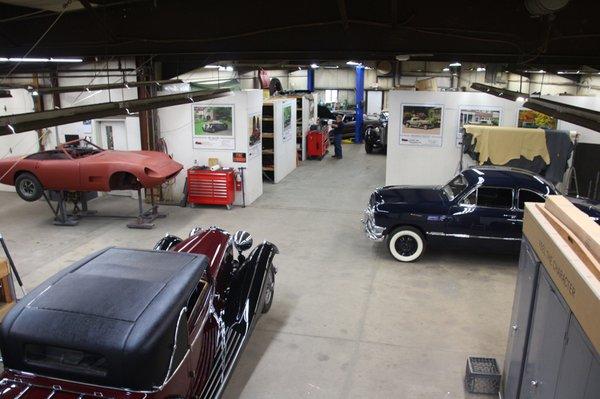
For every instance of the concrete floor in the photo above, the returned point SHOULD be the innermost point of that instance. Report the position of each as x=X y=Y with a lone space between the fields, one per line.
x=347 y=320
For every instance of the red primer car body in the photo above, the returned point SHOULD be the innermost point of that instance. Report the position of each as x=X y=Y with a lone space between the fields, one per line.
x=92 y=168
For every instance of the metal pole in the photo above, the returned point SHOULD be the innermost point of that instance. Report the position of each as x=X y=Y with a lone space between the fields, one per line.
x=310 y=80
x=12 y=265
x=360 y=91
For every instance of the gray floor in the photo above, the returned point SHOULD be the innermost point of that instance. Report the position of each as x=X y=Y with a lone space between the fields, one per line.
x=347 y=320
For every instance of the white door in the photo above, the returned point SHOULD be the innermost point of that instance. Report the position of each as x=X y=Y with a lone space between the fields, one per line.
x=374 y=102
x=113 y=136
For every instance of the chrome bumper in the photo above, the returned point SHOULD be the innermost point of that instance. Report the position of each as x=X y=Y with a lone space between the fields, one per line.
x=373 y=231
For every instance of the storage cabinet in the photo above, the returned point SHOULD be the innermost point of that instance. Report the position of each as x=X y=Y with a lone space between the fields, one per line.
x=548 y=355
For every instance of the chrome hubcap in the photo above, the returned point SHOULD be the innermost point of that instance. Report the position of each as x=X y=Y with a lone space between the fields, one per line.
x=27 y=187
x=406 y=245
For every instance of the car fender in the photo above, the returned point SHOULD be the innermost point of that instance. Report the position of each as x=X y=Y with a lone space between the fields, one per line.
x=248 y=285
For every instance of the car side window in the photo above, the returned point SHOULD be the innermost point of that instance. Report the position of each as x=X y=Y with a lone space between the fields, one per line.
x=470 y=199
x=495 y=197
x=529 y=196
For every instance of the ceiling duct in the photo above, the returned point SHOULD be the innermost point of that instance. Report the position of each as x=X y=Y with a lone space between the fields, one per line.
x=37 y=120
x=545 y=7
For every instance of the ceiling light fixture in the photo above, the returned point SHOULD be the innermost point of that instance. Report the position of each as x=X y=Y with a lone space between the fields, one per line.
x=226 y=68
x=455 y=64
x=331 y=66
x=212 y=66
x=353 y=63
x=480 y=69
x=314 y=66
x=446 y=69
x=520 y=99
x=58 y=60
x=34 y=93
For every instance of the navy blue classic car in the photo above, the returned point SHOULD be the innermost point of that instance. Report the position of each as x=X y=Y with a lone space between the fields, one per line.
x=484 y=203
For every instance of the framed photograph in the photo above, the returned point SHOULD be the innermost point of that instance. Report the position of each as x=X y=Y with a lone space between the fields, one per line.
x=534 y=119
x=477 y=115
x=213 y=127
x=287 y=122
x=421 y=125
x=254 y=135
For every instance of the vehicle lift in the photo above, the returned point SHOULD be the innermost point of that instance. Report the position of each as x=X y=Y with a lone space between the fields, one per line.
x=79 y=200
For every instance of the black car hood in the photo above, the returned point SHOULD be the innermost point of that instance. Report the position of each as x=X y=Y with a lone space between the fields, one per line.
x=411 y=194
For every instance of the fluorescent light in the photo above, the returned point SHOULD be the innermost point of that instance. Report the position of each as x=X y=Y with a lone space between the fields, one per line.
x=455 y=64
x=480 y=69
x=66 y=60
x=520 y=99
x=34 y=93
x=18 y=59
x=539 y=71
x=367 y=67
x=226 y=68
x=212 y=66
x=314 y=66
x=353 y=63
x=331 y=67
x=446 y=69
x=28 y=59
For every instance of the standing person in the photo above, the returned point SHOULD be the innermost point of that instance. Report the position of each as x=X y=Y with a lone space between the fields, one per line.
x=338 y=130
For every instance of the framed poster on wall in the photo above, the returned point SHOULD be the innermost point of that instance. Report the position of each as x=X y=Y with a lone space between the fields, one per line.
x=477 y=115
x=213 y=127
x=287 y=122
x=421 y=125
x=254 y=135
x=530 y=118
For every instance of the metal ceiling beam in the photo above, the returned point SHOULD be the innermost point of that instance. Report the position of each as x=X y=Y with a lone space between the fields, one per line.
x=569 y=113
x=499 y=92
x=37 y=120
x=579 y=116
x=122 y=85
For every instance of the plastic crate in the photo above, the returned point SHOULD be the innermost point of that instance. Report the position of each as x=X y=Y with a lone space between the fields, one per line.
x=482 y=375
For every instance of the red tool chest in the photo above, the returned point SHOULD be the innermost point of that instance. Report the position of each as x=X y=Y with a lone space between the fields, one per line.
x=211 y=188
x=317 y=144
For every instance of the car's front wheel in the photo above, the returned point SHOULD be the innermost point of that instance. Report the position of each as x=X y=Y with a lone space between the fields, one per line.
x=29 y=187
x=269 y=290
x=406 y=244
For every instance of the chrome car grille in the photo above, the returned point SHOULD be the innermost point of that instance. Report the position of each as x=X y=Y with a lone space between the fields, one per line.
x=373 y=231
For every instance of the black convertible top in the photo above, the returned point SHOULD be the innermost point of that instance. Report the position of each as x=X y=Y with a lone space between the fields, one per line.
x=109 y=319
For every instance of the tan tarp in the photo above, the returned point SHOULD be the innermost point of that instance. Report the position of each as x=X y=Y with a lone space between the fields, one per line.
x=500 y=144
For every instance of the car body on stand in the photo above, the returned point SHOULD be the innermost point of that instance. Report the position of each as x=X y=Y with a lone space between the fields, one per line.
x=482 y=204
x=376 y=136
x=80 y=165
x=140 y=324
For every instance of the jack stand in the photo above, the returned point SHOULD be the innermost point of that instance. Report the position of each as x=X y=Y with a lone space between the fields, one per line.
x=83 y=211
x=61 y=217
x=145 y=218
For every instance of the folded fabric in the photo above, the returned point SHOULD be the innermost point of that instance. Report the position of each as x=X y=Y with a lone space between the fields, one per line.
x=500 y=144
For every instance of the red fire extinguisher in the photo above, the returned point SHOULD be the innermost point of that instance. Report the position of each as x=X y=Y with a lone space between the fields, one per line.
x=238 y=181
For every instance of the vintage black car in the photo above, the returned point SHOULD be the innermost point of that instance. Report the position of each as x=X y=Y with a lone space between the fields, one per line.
x=376 y=136
x=349 y=120
x=139 y=324
x=484 y=204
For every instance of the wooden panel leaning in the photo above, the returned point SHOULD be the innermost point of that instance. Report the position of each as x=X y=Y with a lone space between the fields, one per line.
x=7 y=299
x=567 y=241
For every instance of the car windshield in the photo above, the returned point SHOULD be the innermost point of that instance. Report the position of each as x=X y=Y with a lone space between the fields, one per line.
x=455 y=187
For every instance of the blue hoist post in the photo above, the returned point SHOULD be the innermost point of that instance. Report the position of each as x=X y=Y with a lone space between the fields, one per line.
x=360 y=93
x=310 y=80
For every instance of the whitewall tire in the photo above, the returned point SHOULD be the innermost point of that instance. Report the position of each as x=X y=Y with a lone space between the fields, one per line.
x=406 y=244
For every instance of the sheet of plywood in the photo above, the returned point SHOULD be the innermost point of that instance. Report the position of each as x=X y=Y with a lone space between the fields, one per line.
x=581 y=224
x=571 y=273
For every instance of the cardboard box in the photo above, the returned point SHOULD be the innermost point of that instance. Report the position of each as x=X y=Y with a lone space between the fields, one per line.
x=568 y=260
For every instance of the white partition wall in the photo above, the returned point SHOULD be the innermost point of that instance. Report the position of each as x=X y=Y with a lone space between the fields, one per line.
x=177 y=128
x=433 y=165
x=421 y=164
x=282 y=153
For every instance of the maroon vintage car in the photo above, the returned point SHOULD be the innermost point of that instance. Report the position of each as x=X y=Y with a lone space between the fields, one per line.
x=123 y=323
x=82 y=166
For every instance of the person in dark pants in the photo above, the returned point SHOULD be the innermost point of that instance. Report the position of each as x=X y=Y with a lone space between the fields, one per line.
x=338 y=130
